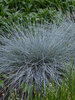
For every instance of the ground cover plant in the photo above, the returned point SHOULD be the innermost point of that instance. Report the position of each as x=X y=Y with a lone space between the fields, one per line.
x=43 y=9
x=36 y=54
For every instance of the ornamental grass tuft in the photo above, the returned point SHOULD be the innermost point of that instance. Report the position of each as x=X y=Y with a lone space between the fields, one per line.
x=36 y=54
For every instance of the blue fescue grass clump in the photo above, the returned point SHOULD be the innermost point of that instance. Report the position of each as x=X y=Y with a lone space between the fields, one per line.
x=36 y=54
